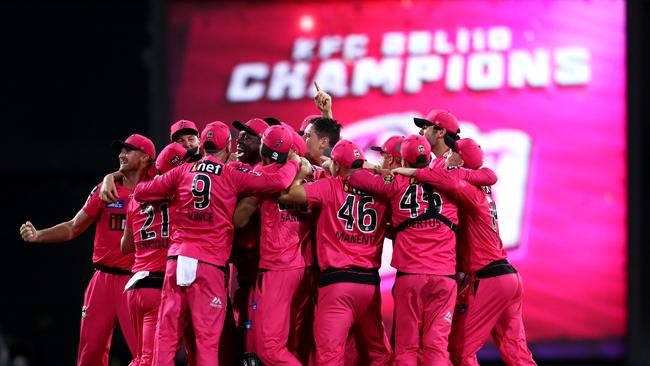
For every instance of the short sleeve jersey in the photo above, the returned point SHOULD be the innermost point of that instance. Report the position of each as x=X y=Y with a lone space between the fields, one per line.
x=110 y=222
x=351 y=224
x=151 y=226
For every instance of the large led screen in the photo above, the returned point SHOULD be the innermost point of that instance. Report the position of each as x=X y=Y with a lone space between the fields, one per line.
x=539 y=84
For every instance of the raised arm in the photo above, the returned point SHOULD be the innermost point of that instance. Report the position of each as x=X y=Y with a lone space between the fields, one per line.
x=480 y=177
x=58 y=233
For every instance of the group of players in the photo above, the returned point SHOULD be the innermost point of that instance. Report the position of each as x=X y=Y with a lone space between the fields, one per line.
x=273 y=250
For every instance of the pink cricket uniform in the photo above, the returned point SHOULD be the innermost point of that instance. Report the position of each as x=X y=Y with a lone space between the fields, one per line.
x=349 y=241
x=207 y=193
x=285 y=282
x=494 y=307
x=425 y=258
x=245 y=258
x=104 y=300
x=151 y=226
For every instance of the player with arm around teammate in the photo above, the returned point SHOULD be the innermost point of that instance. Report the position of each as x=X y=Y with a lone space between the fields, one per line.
x=207 y=192
x=104 y=300
x=349 y=242
x=490 y=300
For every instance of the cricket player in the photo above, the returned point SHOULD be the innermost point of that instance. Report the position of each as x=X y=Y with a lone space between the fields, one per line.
x=104 y=301
x=194 y=284
x=424 y=255
x=490 y=299
x=349 y=242
x=147 y=232
x=441 y=129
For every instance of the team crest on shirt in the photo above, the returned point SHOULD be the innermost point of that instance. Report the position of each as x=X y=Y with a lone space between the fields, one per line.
x=116 y=204
x=388 y=179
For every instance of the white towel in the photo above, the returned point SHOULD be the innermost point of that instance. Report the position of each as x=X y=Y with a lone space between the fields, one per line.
x=185 y=270
x=136 y=277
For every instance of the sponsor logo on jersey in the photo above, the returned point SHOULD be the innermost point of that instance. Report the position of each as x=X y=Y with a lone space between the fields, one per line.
x=448 y=317
x=116 y=204
x=207 y=166
x=388 y=179
x=216 y=303
x=117 y=222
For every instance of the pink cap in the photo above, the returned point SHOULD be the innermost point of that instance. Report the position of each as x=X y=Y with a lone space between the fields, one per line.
x=415 y=149
x=171 y=156
x=182 y=127
x=440 y=118
x=255 y=126
x=137 y=142
x=391 y=146
x=470 y=152
x=298 y=145
x=276 y=142
x=346 y=153
x=217 y=136
x=306 y=122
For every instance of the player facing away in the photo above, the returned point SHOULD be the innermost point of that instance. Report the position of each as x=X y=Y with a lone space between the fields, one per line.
x=194 y=284
x=424 y=255
x=104 y=301
x=349 y=241
x=490 y=299
x=285 y=281
x=147 y=231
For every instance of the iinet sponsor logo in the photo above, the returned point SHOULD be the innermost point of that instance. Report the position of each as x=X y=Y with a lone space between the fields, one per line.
x=511 y=162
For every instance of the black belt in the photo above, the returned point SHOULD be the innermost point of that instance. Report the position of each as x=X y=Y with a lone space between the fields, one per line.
x=363 y=276
x=222 y=268
x=400 y=274
x=111 y=270
x=153 y=280
x=496 y=268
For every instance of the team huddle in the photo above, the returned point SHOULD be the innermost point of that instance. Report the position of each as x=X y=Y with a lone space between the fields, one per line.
x=269 y=254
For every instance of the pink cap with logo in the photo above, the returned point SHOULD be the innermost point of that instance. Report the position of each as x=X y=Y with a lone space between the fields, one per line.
x=276 y=142
x=171 y=156
x=137 y=142
x=415 y=149
x=390 y=146
x=182 y=127
x=470 y=152
x=255 y=126
x=215 y=136
x=347 y=154
x=306 y=122
x=440 y=118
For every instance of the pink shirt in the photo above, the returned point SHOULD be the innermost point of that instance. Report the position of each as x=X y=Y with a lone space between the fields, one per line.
x=286 y=235
x=207 y=193
x=351 y=225
x=478 y=240
x=111 y=218
x=425 y=247
x=151 y=226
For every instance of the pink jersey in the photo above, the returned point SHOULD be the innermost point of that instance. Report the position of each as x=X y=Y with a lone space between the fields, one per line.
x=248 y=237
x=478 y=238
x=150 y=223
x=207 y=193
x=424 y=247
x=286 y=240
x=111 y=218
x=350 y=227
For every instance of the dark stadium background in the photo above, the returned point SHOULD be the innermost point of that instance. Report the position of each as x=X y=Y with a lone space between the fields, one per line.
x=78 y=75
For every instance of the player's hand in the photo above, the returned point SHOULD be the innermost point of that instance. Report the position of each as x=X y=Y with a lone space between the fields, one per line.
x=293 y=156
x=305 y=167
x=326 y=162
x=323 y=102
x=454 y=160
x=232 y=157
x=409 y=172
x=28 y=232
x=109 y=192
